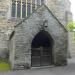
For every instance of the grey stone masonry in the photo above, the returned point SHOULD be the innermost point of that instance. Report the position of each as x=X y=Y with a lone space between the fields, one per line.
x=26 y=30
x=61 y=9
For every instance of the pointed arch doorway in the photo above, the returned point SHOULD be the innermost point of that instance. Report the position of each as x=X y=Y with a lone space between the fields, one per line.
x=41 y=50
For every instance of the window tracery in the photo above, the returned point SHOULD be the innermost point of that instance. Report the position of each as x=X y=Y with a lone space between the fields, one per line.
x=23 y=8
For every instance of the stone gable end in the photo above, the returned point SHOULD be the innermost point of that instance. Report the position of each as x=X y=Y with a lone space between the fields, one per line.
x=41 y=20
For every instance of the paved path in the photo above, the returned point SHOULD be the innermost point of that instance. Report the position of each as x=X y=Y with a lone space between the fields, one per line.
x=64 y=70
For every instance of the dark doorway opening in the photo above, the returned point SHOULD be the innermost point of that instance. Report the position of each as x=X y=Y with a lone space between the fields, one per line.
x=41 y=49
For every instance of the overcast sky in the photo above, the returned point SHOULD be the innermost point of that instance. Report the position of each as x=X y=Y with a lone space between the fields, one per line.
x=73 y=8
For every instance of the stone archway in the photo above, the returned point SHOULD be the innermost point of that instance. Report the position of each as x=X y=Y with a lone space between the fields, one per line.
x=41 y=49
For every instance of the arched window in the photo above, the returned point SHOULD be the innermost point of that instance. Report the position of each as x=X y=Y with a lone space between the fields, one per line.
x=38 y=2
x=23 y=8
x=18 y=9
x=28 y=10
x=42 y=2
x=13 y=9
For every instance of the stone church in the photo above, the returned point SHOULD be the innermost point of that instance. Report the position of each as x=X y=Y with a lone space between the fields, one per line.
x=34 y=33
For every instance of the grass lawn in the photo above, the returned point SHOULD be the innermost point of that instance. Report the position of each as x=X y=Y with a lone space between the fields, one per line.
x=4 y=66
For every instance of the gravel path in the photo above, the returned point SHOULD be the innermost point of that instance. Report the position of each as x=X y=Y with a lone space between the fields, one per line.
x=64 y=70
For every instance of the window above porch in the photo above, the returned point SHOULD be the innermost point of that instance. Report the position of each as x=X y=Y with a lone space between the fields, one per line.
x=23 y=8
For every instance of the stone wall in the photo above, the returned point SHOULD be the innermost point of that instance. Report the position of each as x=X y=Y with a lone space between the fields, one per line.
x=26 y=31
x=5 y=9
x=61 y=8
x=71 y=43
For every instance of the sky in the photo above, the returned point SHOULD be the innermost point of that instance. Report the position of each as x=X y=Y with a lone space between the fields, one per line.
x=73 y=8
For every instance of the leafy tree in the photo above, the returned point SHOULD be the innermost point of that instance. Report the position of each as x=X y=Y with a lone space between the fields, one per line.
x=71 y=26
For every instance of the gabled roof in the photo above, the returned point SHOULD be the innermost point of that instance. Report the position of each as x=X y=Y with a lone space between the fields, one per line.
x=55 y=17
x=39 y=8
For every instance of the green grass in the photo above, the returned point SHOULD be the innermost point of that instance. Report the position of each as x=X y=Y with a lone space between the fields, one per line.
x=4 y=66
